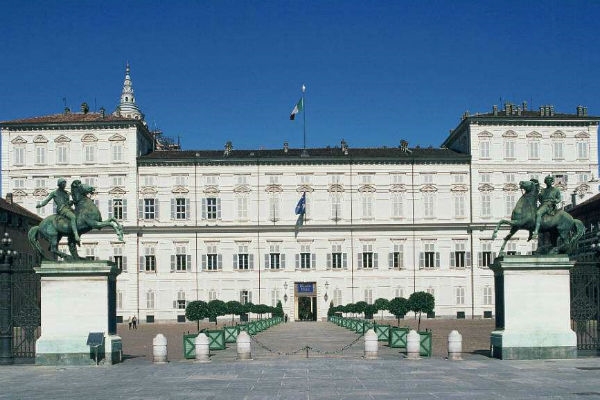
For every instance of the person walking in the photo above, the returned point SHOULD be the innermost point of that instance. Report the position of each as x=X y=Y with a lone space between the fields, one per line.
x=130 y=322
x=134 y=321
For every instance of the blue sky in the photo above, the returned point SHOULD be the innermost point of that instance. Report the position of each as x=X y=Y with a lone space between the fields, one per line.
x=376 y=71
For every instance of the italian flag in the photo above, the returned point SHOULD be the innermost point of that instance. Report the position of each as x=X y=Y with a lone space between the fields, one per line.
x=297 y=108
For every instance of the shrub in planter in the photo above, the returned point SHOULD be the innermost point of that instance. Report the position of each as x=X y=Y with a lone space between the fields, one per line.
x=421 y=302
x=382 y=305
x=196 y=311
x=398 y=307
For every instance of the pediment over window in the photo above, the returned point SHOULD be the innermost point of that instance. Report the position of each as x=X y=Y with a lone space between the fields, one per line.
x=212 y=189
x=89 y=138
x=273 y=189
x=40 y=139
x=40 y=192
x=485 y=187
x=335 y=188
x=19 y=193
x=241 y=189
x=582 y=135
x=18 y=140
x=367 y=189
x=582 y=189
x=459 y=188
x=398 y=188
x=429 y=188
x=117 y=191
x=558 y=135
x=510 y=187
x=534 y=135
x=485 y=134
x=117 y=138
x=510 y=134
x=148 y=190
x=304 y=188
x=62 y=139
x=180 y=189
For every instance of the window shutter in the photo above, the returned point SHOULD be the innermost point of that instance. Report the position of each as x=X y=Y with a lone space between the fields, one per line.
x=173 y=262
x=452 y=259
x=174 y=303
x=267 y=259
x=110 y=208
x=188 y=262
x=141 y=209
x=172 y=208
x=188 y=209
x=142 y=266
x=401 y=260
x=218 y=208
x=360 y=261
x=156 y=209
x=375 y=260
x=493 y=257
x=313 y=261
x=468 y=259
x=437 y=259
x=124 y=209
x=124 y=269
x=328 y=260
x=235 y=261
x=242 y=296
x=203 y=262
x=219 y=261
x=204 y=208
x=480 y=259
x=250 y=296
x=282 y=261
x=421 y=260
x=251 y=260
x=297 y=261
x=390 y=260
x=345 y=260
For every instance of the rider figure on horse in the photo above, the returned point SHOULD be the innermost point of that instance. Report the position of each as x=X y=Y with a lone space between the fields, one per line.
x=63 y=205
x=549 y=199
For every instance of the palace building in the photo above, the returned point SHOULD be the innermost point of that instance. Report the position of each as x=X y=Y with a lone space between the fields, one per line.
x=380 y=222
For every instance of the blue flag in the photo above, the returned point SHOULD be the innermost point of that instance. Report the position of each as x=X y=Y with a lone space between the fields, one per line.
x=301 y=206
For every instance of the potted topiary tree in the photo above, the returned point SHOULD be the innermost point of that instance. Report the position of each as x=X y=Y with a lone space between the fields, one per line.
x=370 y=310
x=196 y=311
x=382 y=305
x=398 y=307
x=234 y=308
x=421 y=302
x=360 y=307
x=217 y=308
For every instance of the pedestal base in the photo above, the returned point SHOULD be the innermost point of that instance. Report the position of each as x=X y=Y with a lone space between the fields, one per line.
x=533 y=308
x=77 y=298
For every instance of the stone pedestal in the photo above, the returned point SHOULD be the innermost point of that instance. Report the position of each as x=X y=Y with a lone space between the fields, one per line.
x=533 y=308
x=77 y=298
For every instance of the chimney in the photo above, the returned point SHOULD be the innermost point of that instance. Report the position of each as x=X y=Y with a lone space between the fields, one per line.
x=9 y=198
x=495 y=110
x=286 y=147
x=102 y=112
x=85 y=108
x=228 y=148
x=67 y=110
x=524 y=106
x=344 y=147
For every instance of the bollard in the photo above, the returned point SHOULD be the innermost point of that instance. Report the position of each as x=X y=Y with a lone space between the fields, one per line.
x=371 y=344
x=159 y=349
x=202 y=350
x=413 y=343
x=243 y=346
x=454 y=346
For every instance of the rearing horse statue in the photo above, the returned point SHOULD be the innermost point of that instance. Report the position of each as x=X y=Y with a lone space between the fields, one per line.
x=559 y=225
x=54 y=227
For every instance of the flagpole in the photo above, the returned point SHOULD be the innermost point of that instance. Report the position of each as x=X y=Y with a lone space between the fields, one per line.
x=304 y=153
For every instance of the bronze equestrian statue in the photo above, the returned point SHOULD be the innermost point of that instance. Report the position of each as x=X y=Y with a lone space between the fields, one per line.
x=87 y=217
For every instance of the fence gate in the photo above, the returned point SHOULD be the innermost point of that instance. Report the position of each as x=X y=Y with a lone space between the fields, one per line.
x=25 y=310
x=585 y=306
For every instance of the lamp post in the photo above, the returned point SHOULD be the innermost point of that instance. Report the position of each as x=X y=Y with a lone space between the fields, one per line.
x=326 y=288
x=6 y=328
x=285 y=296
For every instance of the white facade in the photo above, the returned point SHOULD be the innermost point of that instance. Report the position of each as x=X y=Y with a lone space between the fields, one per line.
x=221 y=224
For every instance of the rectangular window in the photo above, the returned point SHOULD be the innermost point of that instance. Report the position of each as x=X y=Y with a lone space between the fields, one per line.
x=336 y=206
x=18 y=183
x=367 y=205
x=397 y=205
x=117 y=152
x=117 y=209
x=533 y=150
x=19 y=155
x=429 y=258
x=486 y=205
x=460 y=258
x=274 y=208
x=582 y=150
x=305 y=259
x=510 y=200
x=335 y=179
x=337 y=259
x=245 y=296
x=89 y=153
x=459 y=206
x=241 y=179
x=149 y=259
x=557 y=150
x=486 y=177
x=211 y=208
x=181 y=208
x=119 y=259
x=367 y=259
x=242 y=207
x=211 y=262
x=337 y=297
x=180 y=261
x=486 y=257
x=511 y=248
x=149 y=208
x=509 y=149
x=488 y=293
x=62 y=154
x=397 y=257
x=274 y=257
x=369 y=296
x=583 y=177
x=366 y=179
x=484 y=149
x=428 y=205
x=460 y=295
x=427 y=178
x=459 y=178
x=147 y=180
x=150 y=300
x=117 y=180
x=181 y=300
x=211 y=180
x=241 y=260
x=40 y=155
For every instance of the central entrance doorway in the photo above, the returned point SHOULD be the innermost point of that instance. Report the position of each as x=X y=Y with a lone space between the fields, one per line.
x=305 y=301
